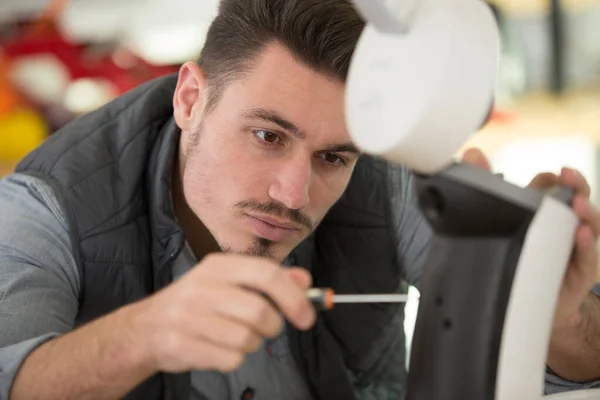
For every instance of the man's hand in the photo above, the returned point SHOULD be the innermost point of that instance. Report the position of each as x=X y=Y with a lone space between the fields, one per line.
x=209 y=319
x=575 y=344
x=583 y=267
x=220 y=311
x=581 y=271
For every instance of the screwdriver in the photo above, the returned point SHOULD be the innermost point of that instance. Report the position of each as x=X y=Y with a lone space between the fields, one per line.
x=326 y=298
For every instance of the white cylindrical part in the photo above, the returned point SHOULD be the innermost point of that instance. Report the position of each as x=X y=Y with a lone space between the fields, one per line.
x=389 y=16
x=416 y=98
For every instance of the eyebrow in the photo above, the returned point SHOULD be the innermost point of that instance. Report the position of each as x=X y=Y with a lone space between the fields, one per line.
x=272 y=116
x=276 y=118
x=342 y=148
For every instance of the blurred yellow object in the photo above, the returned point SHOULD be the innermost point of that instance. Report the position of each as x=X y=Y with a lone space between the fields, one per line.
x=20 y=132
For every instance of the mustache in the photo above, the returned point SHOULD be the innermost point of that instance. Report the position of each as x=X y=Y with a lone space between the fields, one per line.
x=278 y=210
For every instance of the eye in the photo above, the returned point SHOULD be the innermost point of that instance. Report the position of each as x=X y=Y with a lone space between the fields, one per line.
x=266 y=136
x=333 y=159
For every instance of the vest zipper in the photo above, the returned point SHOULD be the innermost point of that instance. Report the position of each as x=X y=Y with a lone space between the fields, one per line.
x=160 y=279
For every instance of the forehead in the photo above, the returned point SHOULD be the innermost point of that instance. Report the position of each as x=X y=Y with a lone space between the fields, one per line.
x=278 y=82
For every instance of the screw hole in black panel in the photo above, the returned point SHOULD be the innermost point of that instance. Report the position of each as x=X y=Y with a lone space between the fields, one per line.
x=447 y=324
x=432 y=202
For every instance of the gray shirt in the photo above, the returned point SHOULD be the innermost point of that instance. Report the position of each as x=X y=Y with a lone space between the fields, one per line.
x=39 y=288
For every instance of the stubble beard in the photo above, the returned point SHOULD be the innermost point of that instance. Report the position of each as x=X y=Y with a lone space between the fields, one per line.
x=260 y=247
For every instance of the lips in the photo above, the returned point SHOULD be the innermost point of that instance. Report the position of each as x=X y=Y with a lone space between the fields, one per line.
x=272 y=229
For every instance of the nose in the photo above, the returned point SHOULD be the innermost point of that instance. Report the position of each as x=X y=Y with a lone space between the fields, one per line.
x=292 y=183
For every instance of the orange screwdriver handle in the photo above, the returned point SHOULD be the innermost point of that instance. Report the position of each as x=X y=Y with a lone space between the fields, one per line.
x=321 y=298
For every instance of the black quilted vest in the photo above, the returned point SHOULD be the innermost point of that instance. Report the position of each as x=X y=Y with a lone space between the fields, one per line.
x=111 y=170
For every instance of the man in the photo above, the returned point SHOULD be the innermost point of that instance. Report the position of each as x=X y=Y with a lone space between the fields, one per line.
x=111 y=284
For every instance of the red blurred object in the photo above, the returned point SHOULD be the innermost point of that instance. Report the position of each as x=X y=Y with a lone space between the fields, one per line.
x=96 y=72
x=88 y=61
x=10 y=98
x=110 y=62
x=501 y=116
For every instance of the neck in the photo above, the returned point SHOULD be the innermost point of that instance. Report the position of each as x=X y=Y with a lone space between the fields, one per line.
x=197 y=235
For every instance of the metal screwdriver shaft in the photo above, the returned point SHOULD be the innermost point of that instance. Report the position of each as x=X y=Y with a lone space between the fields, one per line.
x=370 y=298
x=325 y=298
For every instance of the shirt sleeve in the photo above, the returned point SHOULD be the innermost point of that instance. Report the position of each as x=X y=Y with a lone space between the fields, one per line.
x=555 y=384
x=39 y=279
x=413 y=233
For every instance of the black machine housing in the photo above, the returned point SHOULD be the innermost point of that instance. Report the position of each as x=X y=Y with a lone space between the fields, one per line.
x=479 y=222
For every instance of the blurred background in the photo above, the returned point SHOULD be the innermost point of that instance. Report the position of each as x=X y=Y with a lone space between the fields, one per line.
x=62 y=58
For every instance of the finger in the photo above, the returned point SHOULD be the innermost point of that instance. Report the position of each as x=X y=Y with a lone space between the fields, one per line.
x=198 y=355
x=475 y=157
x=224 y=332
x=272 y=280
x=585 y=268
x=243 y=306
x=301 y=277
x=544 y=180
x=587 y=213
x=574 y=179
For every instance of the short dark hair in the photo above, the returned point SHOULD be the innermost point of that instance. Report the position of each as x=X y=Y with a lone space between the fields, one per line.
x=320 y=33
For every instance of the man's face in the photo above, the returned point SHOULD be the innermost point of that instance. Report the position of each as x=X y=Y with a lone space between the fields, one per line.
x=263 y=168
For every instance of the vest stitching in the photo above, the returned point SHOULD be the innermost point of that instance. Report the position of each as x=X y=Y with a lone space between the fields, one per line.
x=128 y=106
x=127 y=204
x=117 y=263
x=118 y=156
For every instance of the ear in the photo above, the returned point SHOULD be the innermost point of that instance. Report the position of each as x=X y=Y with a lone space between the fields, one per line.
x=188 y=101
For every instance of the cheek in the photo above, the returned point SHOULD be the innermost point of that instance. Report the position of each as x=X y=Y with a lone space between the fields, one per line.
x=220 y=174
x=196 y=184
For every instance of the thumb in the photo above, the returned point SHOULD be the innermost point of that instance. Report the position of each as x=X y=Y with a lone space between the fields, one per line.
x=475 y=157
x=545 y=180
x=301 y=277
